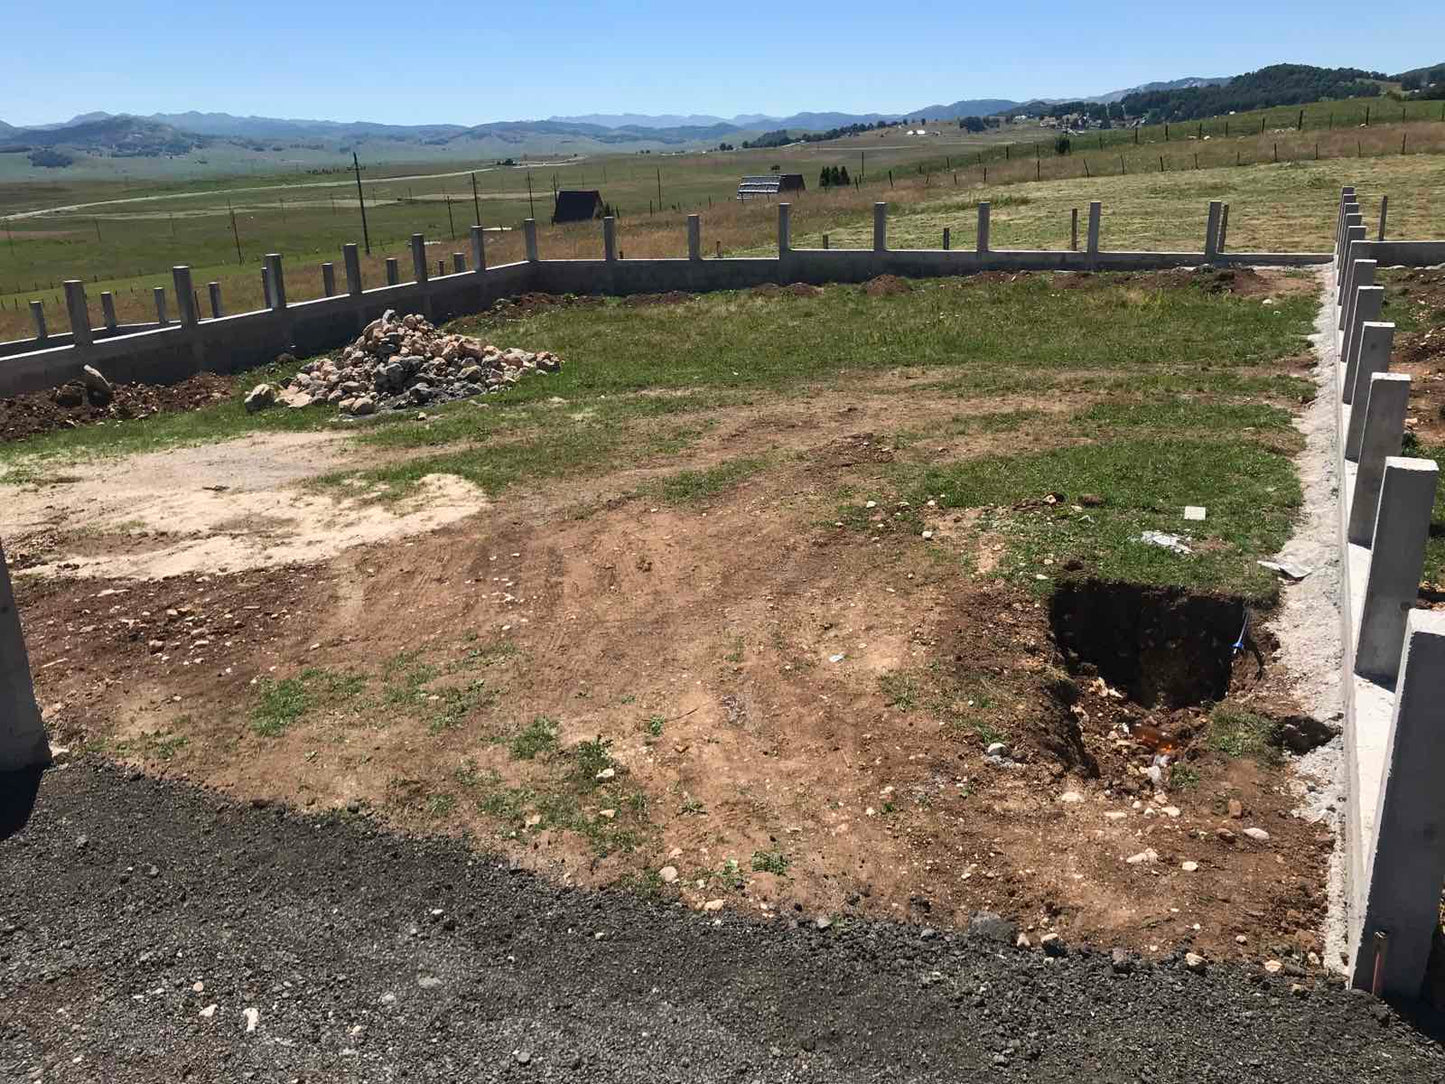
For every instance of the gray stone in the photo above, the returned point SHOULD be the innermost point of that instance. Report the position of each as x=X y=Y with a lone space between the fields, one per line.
x=989 y=926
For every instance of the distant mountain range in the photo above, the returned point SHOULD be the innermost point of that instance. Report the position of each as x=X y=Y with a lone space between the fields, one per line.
x=121 y=135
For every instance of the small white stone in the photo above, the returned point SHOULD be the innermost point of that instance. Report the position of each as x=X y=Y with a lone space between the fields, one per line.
x=1189 y=867
x=1259 y=835
x=1071 y=797
x=1147 y=856
x=927 y=535
x=253 y=1017
x=1115 y=815
x=1274 y=967
x=668 y=874
x=1194 y=961
x=607 y=773
x=208 y=1012
x=713 y=905
x=1195 y=512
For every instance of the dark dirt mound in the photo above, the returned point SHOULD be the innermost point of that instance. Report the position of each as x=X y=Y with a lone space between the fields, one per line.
x=512 y=308
x=68 y=406
x=887 y=286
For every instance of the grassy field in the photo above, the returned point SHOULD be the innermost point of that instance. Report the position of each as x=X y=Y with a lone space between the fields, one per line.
x=1155 y=183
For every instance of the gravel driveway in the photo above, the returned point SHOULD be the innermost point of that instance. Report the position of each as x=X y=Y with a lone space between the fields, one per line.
x=150 y=931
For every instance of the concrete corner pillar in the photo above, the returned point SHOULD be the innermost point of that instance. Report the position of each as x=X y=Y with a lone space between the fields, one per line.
x=479 y=250
x=983 y=215
x=529 y=235
x=694 y=237
x=1376 y=342
x=185 y=296
x=79 y=312
x=1380 y=437
x=37 y=315
x=22 y=736
x=393 y=271
x=278 y=280
x=609 y=238
x=1368 y=302
x=947 y=238
x=162 y=316
x=418 y=257
x=459 y=262
x=1223 y=228
x=328 y=279
x=785 y=227
x=880 y=227
x=1397 y=557
x=266 y=285
x=351 y=259
x=107 y=310
x=1211 y=231
x=1384 y=210
x=1351 y=276
x=214 y=289
x=1405 y=866
x=1352 y=224
x=1096 y=212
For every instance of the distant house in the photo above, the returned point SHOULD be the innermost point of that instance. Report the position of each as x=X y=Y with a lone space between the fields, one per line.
x=770 y=184
x=577 y=205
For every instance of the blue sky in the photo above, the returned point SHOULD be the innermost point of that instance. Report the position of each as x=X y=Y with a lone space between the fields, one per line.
x=467 y=63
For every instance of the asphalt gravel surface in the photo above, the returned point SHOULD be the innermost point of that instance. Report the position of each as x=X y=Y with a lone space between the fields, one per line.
x=151 y=931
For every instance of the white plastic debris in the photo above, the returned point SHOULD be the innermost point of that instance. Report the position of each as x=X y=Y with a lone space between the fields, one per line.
x=1166 y=541
x=1196 y=512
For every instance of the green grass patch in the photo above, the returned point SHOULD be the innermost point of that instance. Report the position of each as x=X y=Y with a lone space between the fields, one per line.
x=771 y=862
x=540 y=736
x=282 y=703
x=1237 y=733
x=699 y=486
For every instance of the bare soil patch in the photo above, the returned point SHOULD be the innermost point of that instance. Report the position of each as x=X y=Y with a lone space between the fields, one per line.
x=887 y=286
x=67 y=407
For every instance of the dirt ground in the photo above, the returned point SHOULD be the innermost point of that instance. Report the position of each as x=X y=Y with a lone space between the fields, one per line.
x=795 y=714
x=66 y=407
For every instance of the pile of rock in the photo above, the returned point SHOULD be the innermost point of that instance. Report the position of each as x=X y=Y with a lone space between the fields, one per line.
x=402 y=362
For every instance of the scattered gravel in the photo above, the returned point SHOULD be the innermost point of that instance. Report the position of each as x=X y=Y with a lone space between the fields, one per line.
x=321 y=930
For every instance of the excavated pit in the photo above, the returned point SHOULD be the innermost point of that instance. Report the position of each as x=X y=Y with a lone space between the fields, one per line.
x=1162 y=647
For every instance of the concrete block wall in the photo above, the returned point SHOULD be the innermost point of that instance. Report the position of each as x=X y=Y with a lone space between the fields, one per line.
x=188 y=341
x=1394 y=655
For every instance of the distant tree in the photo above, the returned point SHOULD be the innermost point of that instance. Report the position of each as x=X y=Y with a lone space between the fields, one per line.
x=972 y=124
x=825 y=178
x=843 y=177
x=1063 y=145
x=50 y=159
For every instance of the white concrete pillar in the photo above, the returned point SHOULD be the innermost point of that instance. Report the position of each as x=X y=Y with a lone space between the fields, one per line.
x=785 y=240
x=694 y=237
x=1397 y=557
x=79 y=312
x=609 y=238
x=418 y=257
x=159 y=296
x=1352 y=223
x=37 y=315
x=1096 y=212
x=1368 y=301
x=22 y=735
x=459 y=262
x=1376 y=341
x=880 y=227
x=1360 y=273
x=529 y=235
x=1384 y=209
x=1349 y=272
x=277 y=278
x=328 y=279
x=1350 y=209
x=1347 y=196
x=185 y=296
x=351 y=260
x=1380 y=438
x=479 y=250
x=1353 y=235
x=214 y=289
x=107 y=310
x=1211 y=231
x=393 y=271
x=266 y=286
x=1405 y=866
x=983 y=214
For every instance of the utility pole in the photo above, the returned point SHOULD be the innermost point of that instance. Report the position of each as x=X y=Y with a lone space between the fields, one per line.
x=476 y=203
x=365 y=236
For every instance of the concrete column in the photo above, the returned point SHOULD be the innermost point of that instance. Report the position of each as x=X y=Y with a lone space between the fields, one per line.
x=441 y=268
x=1397 y=558
x=1407 y=862
x=1342 y=314
x=1368 y=300
x=1361 y=273
x=609 y=238
x=1223 y=227
x=37 y=314
x=1352 y=223
x=1096 y=212
x=278 y=280
x=1376 y=341
x=694 y=237
x=22 y=735
x=983 y=211
x=107 y=310
x=1383 y=431
x=78 y=311
x=947 y=239
x=328 y=279
x=825 y=241
x=1354 y=234
x=785 y=240
x=1384 y=209
x=351 y=260
x=214 y=289
x=162 y=318
x=266 y=285
x=1347 y=195
x=880 y=227
x=418 y=257
x=459 y=262
x=1074 y=230
x=1345 y=223
x=185 y=296
x=529 y=236
x=393 y=271
x=479 y=250
x=1211 y=231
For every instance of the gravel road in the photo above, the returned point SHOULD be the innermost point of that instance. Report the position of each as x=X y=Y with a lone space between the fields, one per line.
x=129 y=907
